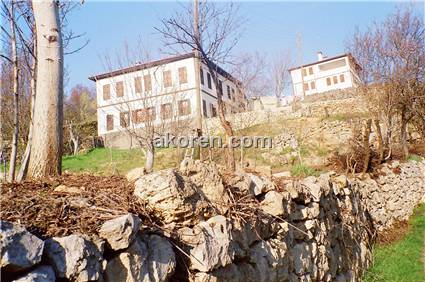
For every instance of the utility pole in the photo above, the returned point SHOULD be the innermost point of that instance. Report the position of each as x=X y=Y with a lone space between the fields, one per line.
x=300 y=59
x=197 y=74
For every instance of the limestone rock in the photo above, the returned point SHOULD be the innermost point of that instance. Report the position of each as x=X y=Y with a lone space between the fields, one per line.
x=43 y=273
x=270 y=260
x=207 y=179
x=209 y=244
x=74 y=257
x=19 y=248
x=68 y=190
x=170 y=194
x=130 y=265
x=282 y=174
x=259 y=184
x=120 y=232
x=273 y=203
x=135 y=174
x=161 y=258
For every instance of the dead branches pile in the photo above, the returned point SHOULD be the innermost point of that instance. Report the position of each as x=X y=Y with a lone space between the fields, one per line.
x=47 y=212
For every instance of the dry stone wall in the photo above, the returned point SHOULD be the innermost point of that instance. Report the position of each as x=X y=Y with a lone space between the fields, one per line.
x=313 y=229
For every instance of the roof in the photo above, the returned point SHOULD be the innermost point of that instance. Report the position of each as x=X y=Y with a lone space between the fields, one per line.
x=152 y=64
x=329 y=59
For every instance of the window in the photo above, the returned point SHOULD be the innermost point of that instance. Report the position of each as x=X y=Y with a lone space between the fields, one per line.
x=148 y=82
x=209 y=80
x=304 y=71
x=228 y=92
x=137 y=116
x=184 y=107
x=120 y=89
x=305 y=86
x=106 y=92
x=310 y=70
x=213 y=110
x=166 y=111
x=204 y=108
x=313 y=85
x=138 y=84
x=335 y=79
x=341 y=78
x=166 y=75
x=328 y=81
x=150 y=114
x=233 y=94
x=201 y=73
x=143 y=115
x=182 y=75
x=109 y=122
x=124 y=119
x=220 y=86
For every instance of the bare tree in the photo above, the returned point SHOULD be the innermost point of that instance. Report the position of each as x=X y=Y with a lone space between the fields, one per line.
x=392 y=56
x=46 y=146
x=10 y=11
x=251 y=70
x=280 y=65
x=213 y=38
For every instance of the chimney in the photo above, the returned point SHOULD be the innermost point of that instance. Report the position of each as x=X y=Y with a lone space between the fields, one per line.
x=320 y=56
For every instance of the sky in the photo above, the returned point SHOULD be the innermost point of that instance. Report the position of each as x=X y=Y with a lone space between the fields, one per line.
x=269 y=27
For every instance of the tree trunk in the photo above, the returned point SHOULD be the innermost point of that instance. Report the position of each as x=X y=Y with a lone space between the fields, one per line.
x=366 y=160
x=26 y=157
x=403 y=134
x=150 y=155
x=14 y=153
x=380 y=140
x=46 y=145
x=230 y=162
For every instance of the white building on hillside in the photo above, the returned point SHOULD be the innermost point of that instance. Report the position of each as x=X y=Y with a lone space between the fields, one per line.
x=160 y=90
x=326 y=74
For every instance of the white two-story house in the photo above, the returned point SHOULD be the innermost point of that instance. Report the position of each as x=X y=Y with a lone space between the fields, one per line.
x=339 y=72
x=160 y=91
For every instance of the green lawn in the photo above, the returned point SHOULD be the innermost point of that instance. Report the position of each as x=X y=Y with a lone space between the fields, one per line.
x=107 y=161
x=404 y=259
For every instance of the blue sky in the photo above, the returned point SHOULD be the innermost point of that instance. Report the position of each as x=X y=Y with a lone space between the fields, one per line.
x=269 y=28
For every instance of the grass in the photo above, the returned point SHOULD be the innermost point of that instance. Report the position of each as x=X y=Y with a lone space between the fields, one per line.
x=403 y=260
x=105 y=161
x=415 y=158
x=300 y=170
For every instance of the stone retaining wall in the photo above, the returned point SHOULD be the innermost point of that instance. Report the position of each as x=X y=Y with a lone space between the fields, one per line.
x=313 y=229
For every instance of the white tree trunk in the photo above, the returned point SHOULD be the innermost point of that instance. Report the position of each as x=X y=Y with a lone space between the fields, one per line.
x=46 y=148
x=14 y=152
x=150 y=157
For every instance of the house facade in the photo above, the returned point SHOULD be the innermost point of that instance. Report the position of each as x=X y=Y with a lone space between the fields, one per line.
x=160 y=91
x=339 y=72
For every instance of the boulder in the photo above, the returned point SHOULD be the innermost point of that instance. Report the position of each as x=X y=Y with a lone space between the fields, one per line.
x=171 y=195
x=209 y=244
x=43 y=273
x=259 y=184
x=273 y=203
x=19 y=248
x=135 y=174
x=270 y=260
x=207 y=179
x=120 y=232
x=161 y=258
x=130 y=265
x=74 y=257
